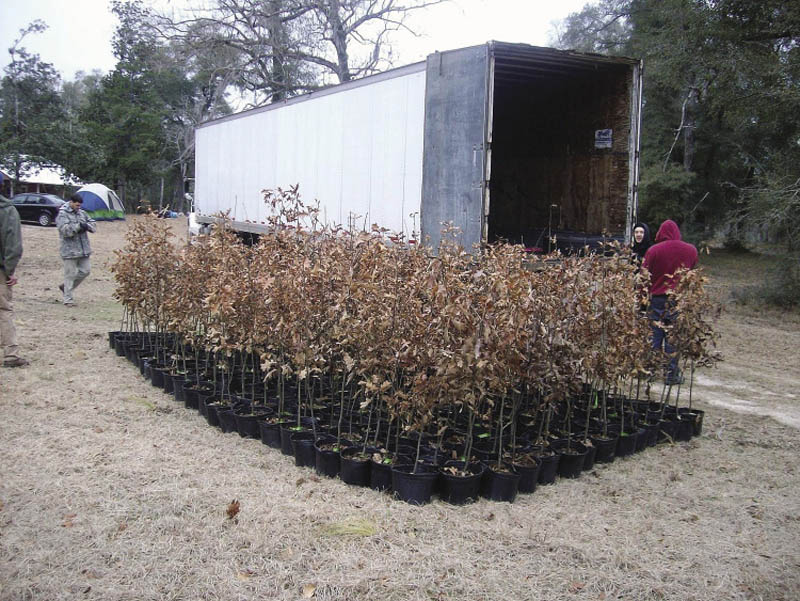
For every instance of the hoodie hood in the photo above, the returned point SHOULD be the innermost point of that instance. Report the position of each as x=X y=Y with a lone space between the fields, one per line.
x=668 y=231
x=5 y=202
x=647 y=236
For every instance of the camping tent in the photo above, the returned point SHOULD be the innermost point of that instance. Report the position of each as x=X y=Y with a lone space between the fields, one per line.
x=101 y=203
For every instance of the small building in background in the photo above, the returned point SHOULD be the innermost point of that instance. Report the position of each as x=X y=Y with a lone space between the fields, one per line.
x=35 y=177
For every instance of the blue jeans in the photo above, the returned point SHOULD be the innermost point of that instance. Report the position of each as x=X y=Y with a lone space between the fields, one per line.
x=660 y=312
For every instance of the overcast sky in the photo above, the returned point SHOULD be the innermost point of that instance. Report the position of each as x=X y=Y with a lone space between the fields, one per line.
x=80 y=31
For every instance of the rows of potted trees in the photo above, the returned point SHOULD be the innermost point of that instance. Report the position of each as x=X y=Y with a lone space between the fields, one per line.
x=376 y=360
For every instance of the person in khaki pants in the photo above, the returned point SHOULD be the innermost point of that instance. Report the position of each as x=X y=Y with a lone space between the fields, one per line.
x=73 y=224
x=10 y=254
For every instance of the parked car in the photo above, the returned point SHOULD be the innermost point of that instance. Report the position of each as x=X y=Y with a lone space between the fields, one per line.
x=41 y=208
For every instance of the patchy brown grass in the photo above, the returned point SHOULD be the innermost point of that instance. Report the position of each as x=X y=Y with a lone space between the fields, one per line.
x=742 y=280
x=110 y=490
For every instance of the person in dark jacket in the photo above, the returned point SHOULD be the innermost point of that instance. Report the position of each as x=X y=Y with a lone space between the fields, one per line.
x=668 y=255
x=10 y=254
x=73 y=224
x=641 y=242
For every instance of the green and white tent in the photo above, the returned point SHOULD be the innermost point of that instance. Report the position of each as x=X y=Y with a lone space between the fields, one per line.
x=101 y=203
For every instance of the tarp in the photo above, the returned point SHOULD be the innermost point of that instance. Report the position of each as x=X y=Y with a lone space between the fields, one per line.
x=101 y=203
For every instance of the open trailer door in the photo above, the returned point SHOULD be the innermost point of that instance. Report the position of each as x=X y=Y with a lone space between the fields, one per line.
x=454 y=155
x=565 y=131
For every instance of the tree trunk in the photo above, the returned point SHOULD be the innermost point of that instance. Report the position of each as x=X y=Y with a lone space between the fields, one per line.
x=339 y=39
x=689 y=145
x=278 y=40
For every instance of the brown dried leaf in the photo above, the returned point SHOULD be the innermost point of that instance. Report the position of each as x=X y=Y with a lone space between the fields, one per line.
x=576 y=587
x=233 y=509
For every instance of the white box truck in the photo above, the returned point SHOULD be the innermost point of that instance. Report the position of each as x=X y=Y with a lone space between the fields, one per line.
x=507 y=141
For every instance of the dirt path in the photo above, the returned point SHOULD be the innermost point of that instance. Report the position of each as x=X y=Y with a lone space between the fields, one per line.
x=110 y=490
x=761 y=371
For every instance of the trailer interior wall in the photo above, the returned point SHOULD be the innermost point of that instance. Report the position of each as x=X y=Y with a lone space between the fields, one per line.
x=357 y=148
x=545 y=170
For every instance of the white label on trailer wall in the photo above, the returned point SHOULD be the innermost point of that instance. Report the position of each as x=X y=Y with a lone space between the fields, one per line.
x=357 y=150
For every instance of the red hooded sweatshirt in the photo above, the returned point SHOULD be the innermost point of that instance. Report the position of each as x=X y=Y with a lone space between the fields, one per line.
x=666 y=256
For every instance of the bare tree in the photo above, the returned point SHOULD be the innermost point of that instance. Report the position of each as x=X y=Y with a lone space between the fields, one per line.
x=250 y=39
x=357 y=31
x=279 y=48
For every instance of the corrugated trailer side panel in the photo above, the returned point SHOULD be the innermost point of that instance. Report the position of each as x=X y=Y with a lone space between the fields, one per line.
x=356 y=148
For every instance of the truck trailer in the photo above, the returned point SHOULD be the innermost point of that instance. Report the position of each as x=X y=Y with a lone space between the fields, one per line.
x=508 y=142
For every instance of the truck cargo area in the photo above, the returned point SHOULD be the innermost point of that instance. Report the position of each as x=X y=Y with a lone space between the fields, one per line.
x=561 y=144
x=503 y=142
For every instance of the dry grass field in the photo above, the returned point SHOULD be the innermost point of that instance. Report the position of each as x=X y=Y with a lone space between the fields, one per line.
x=110 y=490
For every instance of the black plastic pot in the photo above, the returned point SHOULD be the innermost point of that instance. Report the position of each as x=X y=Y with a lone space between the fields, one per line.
x=212 y=408
x=192 y=396
x=606 y=447
x=120 y=344
x=591 y=455
x=354 y=469
x=460 y=489
x=112 y=338
x=227 y=419
x=685 y=427
x=195 y=396
x=641 y=438
x=483 y=455
x=247 y=423
x=413 y=487
x=303 y=449
x=178 y=387
x=287 y=429
x=500 y=485
x=326 y=460
x=650 y=436
x=528 y=475
x=572 y=457
x=132 y=353
x=168 y=385
x=549 y=468
x=667 y=430
x=157 y=376
x=380 y=474
x=626 y=444
x=697 y=420
x=144 y=365
x=196 y=399
x=270 y=434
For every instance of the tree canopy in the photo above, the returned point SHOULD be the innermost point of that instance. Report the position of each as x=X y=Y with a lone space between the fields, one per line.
x=721 y=132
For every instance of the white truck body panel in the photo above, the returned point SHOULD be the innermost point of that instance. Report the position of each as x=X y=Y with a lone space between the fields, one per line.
x=499 y=140
x=357 y=149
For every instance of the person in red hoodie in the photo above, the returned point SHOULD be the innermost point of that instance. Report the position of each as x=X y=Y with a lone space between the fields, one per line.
x=662 y=260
